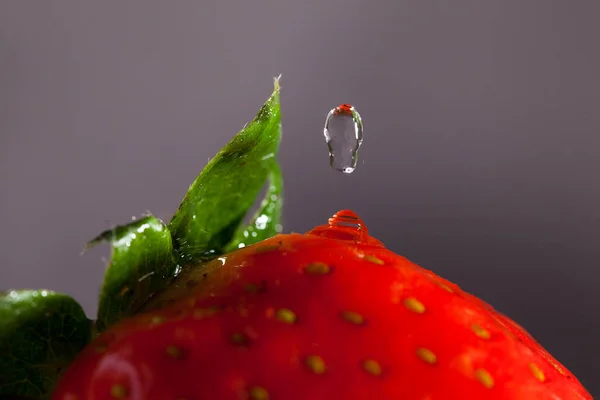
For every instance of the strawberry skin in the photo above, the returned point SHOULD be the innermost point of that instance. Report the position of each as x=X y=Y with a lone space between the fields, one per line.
x=331 y=314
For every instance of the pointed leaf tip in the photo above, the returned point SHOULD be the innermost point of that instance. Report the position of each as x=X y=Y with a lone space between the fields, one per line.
x=218 y=200
x=276 y=83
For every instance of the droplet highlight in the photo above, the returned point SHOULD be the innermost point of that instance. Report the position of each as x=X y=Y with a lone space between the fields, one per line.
x=344 y=136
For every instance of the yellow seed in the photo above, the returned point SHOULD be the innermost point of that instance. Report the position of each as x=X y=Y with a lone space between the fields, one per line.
x=259 y=393
x=426 y=355
x=480 y=332
x=317 y=268
x=414 y=305
x=444 y=286
x=373 y=259
x=118 y=392
x=285 y=315
x=251 y=288
x=484 y=378
x=353 y=318
x=558 y=368
x=239 y=338
x=101 y=348
x=201 y=313
x=537 y=372
x=266 y=249
x=316 y=364
x=174 y=351
x=372 y=367
x=157 y=319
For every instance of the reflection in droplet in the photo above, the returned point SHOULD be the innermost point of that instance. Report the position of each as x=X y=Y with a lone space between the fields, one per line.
x=344 y=135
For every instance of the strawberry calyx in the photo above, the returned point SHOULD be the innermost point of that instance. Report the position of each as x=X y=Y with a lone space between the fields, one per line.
x=147 y=255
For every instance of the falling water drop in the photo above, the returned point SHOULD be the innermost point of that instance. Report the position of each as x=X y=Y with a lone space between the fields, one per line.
x=344 y=135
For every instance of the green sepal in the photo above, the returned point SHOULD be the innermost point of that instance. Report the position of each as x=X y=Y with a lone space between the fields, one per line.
x=217 y=202
x=41 y=332
x=141 y=264
x=266 y=221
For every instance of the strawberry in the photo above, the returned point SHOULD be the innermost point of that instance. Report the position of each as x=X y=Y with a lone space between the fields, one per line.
x=330 y=314
x=208 y=307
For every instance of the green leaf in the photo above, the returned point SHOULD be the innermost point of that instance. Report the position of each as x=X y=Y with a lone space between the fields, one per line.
x=141 y=264
x=265 y=222
x=40 y=334
x=225 y=190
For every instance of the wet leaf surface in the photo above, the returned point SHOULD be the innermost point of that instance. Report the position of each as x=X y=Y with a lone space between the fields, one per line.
x=217 y=202
x=41 y=332
x=142 y=263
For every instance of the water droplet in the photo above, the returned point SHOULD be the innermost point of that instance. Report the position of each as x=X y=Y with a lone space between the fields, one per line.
x=344 y=135
x=144 y=277
x=346 y=225
x=177 y=271
x=348 y=218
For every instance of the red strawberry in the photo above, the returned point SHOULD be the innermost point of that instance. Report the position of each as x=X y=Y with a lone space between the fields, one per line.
x=330 y=314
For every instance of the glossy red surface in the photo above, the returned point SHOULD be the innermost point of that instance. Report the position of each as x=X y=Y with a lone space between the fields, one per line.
x=331 y=314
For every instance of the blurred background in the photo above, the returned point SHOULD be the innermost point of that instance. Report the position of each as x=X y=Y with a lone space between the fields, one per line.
x=481 y=123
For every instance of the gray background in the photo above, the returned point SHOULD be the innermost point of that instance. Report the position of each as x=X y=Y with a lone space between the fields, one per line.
x=480 y=158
